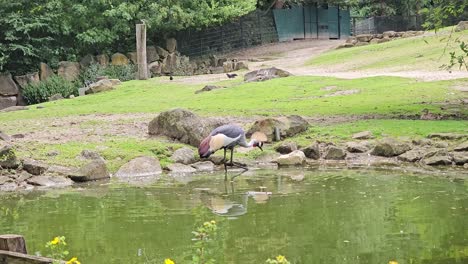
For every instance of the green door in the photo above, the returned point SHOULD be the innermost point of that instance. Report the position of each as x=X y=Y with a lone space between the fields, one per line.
x=333 y=22
x=310 y=21
x=289 y=23
x=322 y=12
x=345 y=23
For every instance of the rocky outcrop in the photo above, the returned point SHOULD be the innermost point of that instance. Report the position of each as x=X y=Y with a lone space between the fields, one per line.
x=286 y=147
x=294 y=158
x=366 y=39
x=140 y=167
x=288 y=126
x=265 y=74
x=390 y=148
x=119 y=59
x=183 y=155
x=182 y=125
x=69 y=70
x=312 y=151
x=94 y=170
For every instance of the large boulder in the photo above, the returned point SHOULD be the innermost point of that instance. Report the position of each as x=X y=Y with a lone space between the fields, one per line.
x=438 y=160
x=413 y=155
x=364 y=37
x=102 y=59
x=151 y=54
x=50 y=181
x=119 y=59
x=312 y=151
x=389 y=34
x=182 y=125
x=265 y=74
x=294 y=158
x=132 y=56
x=100 y=86
x=286 y=147
x=460 y=158
x=335 y=153
x=140 y=167
x=94 y=170
x=155 y=68
x=8 y=87
x=183 y=155
x=171 y=45
x=45 y=71
x=288 y=126
x=8 y=158
x=7 y=101
x=162 y=52
x=462 y=147
x=69 y=70
x=24 y=80
x=34 y=167
x=87 y=60
x=356 y=147
x=462 y=25
x=390 y=147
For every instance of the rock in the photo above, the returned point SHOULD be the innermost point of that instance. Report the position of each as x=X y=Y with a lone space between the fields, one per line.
x=162 y=52
x=23 y=177
x=351 y=40
x=335 y=153
x=82 y=91
x=217 y=160
x=60 y=170
x=184 y=155
x=286 y=147
x=204 y=166
x=389 y=34
x=265 y=74
x=94 y=170
x=228 y=66
x=182 y=125
x=462 y=25
x=6 y=102
x=171 y=45
x=377 y=36
x=50 y=181
x=4 y=137
x=384 y=40
x=363 y=135
x=46 y=71
x=356 y=147
x=90 y=155
x=345 y=45
x=216 y=70
x=208 y=88
x=364 y=37
x=24 y=80
x=462 y=147
x=412 y=155
x=5 y=179
x=435 y=152
x=151 y=54
x=312 y=151
x=8 y=158
x=102 y=59
x=240 y=65
x=55 y=97
x=155 y=68
x=437 y=160
x=100 y=86
x=374 y=41
x=7 y=86
x=8 y=187
x=359 y=44
x=448 y=136
x=132 y=56
x=440 y=144
x=140 y=167
x=296 y=157
x=460 y=158
x=422 y=142
x=119 y=59
x=178 y=168
x=87 y=60
x=389 y=148
x=289 y=126
x=34 y=167
x=69 y=70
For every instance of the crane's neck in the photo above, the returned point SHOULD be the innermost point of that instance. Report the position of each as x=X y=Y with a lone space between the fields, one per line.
x=247 y=145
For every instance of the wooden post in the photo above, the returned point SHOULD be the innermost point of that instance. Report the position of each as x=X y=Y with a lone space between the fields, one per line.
x=13 y=243
x=141 y=51
x=277 y=134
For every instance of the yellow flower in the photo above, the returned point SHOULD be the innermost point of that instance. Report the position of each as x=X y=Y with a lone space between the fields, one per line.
x=168 y=261
x=213 y=222
x=55 y=241
x=73 y=260
x=280 y=258
x=392 y=262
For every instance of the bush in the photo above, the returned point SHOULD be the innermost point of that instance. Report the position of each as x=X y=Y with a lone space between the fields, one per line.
x=35 y=93
x=121 y=72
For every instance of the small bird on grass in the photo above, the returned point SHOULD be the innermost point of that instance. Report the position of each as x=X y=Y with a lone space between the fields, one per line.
x=171 y=78
x=227 y=137
x=231 y=76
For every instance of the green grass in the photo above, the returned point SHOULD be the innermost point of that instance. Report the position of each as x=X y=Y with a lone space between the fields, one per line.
x=390 y=96
x=380 y=128
x=417 y=53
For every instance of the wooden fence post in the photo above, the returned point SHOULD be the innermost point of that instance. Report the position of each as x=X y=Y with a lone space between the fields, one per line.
x=141 y=51
x=14 y=243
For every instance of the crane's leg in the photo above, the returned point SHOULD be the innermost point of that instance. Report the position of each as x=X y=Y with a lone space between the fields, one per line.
x=232 y=152
x=225 y=165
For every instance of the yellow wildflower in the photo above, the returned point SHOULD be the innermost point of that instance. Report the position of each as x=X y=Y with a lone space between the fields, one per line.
x=168 y=261
x=280 y=258
x=55 y=241
x=392 y=262
x=213 y=222
x=73 y=260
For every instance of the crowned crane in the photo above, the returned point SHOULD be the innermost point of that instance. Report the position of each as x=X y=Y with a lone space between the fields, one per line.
x=227 y=137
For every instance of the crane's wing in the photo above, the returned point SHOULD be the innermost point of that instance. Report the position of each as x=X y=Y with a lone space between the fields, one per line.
x=231 y=131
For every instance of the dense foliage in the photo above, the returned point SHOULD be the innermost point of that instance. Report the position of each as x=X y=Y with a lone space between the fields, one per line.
x=121 y=72
x=54 y=30
x=40 y=92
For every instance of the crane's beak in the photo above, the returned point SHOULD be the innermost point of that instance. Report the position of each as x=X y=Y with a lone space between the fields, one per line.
x=260 y=147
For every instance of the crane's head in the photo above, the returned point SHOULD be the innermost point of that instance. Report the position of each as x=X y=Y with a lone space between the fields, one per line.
x=258 y=144
x=258 y=138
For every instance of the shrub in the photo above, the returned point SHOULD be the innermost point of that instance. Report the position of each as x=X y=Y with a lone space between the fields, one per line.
x=35 y=93
x=121 y=72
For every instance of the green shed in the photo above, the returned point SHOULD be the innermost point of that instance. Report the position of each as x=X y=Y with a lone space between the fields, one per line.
x=312 y=21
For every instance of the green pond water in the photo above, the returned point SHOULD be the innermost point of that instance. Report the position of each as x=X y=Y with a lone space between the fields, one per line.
x=314 y=216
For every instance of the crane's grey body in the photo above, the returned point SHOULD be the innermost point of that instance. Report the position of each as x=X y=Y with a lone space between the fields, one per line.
x=234 y=135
